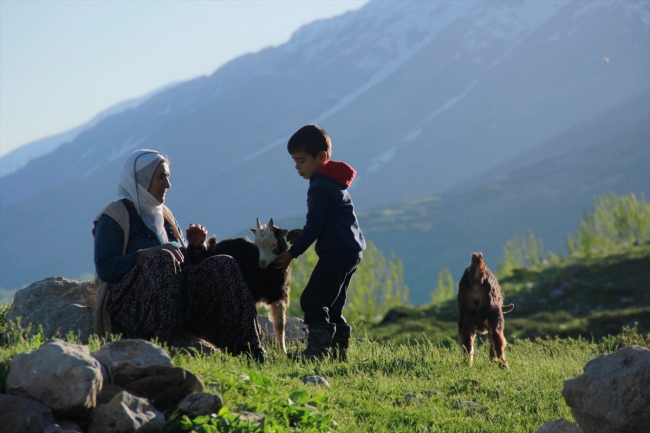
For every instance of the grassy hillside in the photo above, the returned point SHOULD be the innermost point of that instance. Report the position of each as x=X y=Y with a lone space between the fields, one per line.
x=429 y=233
x=587 y=297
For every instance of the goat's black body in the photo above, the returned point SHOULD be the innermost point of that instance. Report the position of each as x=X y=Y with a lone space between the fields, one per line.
x=268 y=285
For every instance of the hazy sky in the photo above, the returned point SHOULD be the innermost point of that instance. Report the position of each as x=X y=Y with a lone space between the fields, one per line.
x=62 y=62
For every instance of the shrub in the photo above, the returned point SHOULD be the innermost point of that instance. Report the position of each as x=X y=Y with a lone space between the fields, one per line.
x=376 y=287
x=615 y=221
x=520 y=252
x=445 y=290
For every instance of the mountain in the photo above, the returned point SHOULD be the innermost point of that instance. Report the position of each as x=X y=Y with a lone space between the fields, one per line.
x=420 y=97
x=18 y=158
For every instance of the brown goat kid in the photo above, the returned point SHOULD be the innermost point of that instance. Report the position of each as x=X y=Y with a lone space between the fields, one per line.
x=480 y=308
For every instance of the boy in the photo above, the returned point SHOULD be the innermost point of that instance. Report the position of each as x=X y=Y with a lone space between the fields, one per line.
x=331 y=222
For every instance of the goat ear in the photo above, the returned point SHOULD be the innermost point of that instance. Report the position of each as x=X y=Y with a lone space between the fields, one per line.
x=253 y=230
x=283 y=232
x=259 y=226
x=270 y=223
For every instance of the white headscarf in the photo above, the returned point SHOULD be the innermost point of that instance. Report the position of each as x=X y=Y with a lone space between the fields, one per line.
x=137 y=172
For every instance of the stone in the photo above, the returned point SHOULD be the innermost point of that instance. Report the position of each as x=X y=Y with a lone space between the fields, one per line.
x=166 y=389
x=57 y=304
x=57 y=428
x=315 y=380
x=201 y=403
x=433 y=393
x=413 y=398
x=22 y=415
x=394 y=314
x=573 y=270
x=556 y=294
x=109 y=390
x=558 y=426
x=613 y=393
x=466 y=404
x=62 y=376
x=251 y=417
x=129 y=360
x=295 y=330
x=126 y=413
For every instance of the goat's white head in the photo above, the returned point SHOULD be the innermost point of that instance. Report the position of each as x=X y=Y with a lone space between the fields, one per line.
x=270 y=241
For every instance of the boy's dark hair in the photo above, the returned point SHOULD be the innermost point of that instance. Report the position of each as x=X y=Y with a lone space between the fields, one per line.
x=311 y=139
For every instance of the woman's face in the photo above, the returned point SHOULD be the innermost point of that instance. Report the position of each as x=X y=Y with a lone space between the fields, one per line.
x=160 y=182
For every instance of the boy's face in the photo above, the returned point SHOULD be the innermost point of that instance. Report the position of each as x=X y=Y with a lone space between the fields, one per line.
x=306 y=164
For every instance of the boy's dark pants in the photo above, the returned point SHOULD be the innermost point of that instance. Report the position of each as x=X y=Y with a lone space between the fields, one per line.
x=324 y=297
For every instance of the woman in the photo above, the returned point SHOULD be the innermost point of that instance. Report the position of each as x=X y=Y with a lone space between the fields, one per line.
x=158 y=287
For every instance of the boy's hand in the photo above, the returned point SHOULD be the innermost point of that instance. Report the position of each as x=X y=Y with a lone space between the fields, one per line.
x=282 y=261
x=293 y=235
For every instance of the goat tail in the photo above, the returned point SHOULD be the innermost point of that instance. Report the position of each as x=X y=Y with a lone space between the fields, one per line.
x=507 y=308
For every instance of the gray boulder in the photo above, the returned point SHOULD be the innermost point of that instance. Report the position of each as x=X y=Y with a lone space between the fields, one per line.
x=558 y=426
x=58 y=305
x=613 y=393
x=315 y=380
x=126 y=413
x=62 y=376
x=166 y=389
x=130 y=360
x=201 y=403
x=21 y=415
x=58 y=428
x=295 y=330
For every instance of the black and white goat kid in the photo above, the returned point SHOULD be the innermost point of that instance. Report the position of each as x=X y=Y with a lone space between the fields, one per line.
x=269 y=286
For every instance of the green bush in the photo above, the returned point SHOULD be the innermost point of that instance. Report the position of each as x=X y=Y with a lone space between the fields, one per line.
x=615 y=221
x=445 y=290
x=376 y=287
x=520 y=253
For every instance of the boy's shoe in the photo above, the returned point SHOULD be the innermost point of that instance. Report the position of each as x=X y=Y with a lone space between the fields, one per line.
x=341 y=343
x=319 y=342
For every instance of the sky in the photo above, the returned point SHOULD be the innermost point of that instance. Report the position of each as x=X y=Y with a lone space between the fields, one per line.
x=63 y=62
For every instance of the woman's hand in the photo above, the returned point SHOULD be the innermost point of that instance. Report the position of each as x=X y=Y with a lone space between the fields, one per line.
x=176 y=252
x=196 y=235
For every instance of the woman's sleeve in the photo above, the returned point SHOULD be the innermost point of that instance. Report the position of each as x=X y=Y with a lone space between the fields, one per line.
x=110 y=264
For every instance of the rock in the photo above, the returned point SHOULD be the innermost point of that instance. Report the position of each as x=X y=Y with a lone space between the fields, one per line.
x=201 y=403
x=556 y=294
x=251 y=417
x=22 y=415
x=166 y=389
x=466 y=404
x=109 y=390
x=129 y=360
x=394 y=314
x=433 y=393
x=295 y=330
x=60 y=375
x=126 y=413
x=58 y=305
x=68 y=425
x=315 y=380
x=57 y=428
x=573 y=270
x=613 y=393
x=558 y=426
x=413 y=398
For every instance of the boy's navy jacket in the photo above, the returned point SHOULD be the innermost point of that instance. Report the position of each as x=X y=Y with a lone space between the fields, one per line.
x=331 y=221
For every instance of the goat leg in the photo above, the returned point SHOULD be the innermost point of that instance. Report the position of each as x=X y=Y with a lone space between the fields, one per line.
x=279 y=319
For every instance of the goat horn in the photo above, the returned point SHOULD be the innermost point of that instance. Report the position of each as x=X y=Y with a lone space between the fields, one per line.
x=271 y=223
x=259 y=226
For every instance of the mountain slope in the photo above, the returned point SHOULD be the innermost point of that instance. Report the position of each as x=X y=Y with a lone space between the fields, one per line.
x=418 y=97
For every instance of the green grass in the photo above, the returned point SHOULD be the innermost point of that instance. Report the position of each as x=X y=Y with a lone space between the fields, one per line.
x=392 y=387
x=613 y=291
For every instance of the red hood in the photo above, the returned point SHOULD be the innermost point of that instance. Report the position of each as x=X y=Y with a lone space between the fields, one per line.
x=339 y=171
